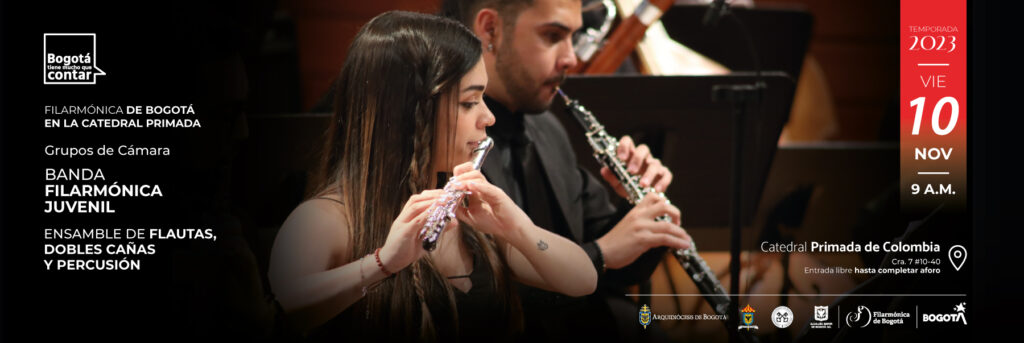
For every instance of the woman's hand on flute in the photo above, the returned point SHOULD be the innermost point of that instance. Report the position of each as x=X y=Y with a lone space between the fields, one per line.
x=403 y=245
x=490 y=209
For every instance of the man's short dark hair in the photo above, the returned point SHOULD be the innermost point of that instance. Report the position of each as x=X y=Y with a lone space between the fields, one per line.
x=465 y=10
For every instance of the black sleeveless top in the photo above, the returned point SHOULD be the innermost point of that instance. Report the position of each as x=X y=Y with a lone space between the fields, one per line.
x=481 y=316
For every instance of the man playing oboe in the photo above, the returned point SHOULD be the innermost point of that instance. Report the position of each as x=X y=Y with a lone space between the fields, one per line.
x=528 y=49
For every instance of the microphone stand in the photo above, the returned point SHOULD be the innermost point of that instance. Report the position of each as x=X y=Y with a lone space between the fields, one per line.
x=741 y=96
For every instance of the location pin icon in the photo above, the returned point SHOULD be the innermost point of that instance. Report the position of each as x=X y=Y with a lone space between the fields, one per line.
x=957 y=255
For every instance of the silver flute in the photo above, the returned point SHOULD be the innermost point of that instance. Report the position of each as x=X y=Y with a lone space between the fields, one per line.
x=605 y=151
x=441 y=215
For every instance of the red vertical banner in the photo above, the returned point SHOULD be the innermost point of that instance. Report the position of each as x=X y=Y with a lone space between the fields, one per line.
x=933 y=104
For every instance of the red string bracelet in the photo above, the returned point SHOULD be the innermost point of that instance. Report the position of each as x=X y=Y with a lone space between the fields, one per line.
x=376 y=255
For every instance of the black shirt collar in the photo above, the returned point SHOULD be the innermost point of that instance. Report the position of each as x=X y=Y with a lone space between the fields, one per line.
x=508 y=125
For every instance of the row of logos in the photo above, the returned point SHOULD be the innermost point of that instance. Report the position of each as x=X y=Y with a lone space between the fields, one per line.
x=861 y=317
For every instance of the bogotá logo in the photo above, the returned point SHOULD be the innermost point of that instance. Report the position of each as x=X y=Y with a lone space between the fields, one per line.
x=645 y=316
x=821 y=318
x=859 y=318
x=820 y=313
x=748 y=318
x=70 y=59
x=957 y=316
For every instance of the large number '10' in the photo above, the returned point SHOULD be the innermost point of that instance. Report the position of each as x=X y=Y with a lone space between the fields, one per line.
x=918 y=104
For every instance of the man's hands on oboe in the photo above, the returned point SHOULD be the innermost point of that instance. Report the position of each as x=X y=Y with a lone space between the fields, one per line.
x=638 y=232
x=639 y=161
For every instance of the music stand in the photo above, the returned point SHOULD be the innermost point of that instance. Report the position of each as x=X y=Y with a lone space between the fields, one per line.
x=780 y=35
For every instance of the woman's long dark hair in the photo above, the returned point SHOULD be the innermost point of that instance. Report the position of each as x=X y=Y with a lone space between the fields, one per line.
x=399 y=69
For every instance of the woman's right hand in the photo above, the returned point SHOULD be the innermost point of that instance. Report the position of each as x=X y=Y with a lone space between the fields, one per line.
x=403 y=245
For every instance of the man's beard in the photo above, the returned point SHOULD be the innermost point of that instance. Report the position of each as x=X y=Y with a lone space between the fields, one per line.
x=524 y=92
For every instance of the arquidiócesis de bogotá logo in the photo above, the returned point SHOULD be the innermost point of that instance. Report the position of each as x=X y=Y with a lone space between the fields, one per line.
x=70 y=59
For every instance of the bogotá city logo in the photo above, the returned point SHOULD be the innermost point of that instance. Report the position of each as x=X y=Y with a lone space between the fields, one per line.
x=957 y=316
x=821 y=313
x=859 y=318
x=645 y=316
x=821 y=318
x=70 y=59
x=748 y=318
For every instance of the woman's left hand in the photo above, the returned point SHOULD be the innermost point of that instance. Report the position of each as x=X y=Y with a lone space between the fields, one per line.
x=490 y=209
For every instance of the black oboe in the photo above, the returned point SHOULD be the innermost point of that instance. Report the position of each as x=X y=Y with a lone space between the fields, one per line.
x=605 y=146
